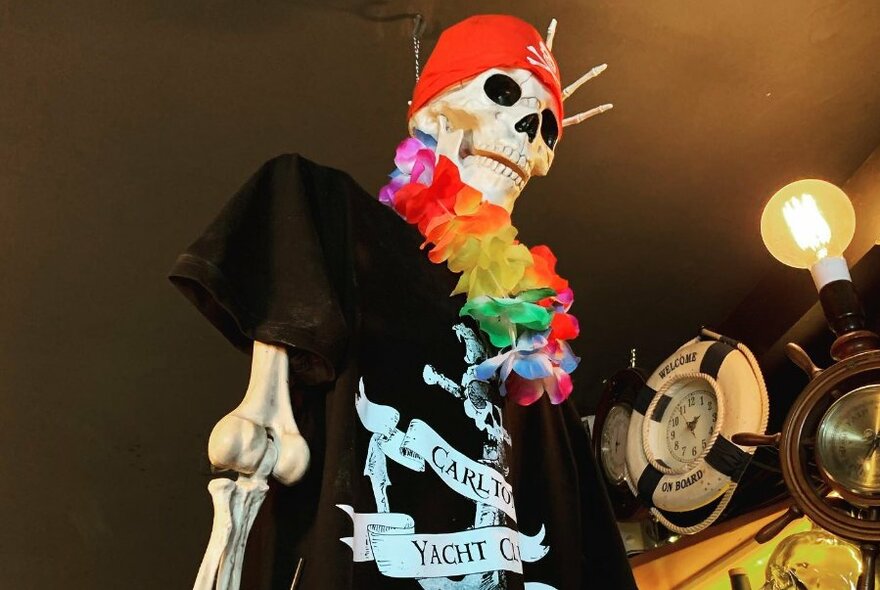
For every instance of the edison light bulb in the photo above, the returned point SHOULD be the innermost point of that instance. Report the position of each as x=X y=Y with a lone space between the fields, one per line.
x=808 y=224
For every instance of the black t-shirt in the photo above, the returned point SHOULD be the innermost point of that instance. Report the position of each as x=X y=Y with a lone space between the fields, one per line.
x=421 y=475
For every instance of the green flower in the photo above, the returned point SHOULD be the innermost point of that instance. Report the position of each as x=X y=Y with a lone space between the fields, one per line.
x=499 y=317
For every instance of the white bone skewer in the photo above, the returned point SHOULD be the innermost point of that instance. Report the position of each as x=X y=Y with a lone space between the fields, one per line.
x=572 y=88
x=581 y=117
x=551 y=34
x=259 y=437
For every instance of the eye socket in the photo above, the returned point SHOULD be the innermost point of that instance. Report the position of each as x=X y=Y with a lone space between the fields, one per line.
x=502 y=90
x=549 y=128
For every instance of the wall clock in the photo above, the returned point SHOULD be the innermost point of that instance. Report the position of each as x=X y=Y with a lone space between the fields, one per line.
x=679 y=452
x=609 y=439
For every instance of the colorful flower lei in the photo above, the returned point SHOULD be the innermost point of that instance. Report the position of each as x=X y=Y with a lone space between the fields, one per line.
x=513 y=292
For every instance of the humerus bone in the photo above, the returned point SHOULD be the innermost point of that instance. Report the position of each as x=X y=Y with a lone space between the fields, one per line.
x=239 y=438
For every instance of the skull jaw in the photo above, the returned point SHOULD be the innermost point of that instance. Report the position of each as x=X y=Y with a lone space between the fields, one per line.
x=490 y=169
x=495 y=183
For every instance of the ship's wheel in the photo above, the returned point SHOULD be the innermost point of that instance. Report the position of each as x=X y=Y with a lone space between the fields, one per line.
x=829 y=447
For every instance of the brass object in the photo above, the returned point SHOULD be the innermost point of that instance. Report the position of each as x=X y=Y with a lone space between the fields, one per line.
x=830 y=442
x=848 y=445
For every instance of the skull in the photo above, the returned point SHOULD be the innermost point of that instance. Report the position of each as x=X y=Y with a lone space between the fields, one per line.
x=499 y=128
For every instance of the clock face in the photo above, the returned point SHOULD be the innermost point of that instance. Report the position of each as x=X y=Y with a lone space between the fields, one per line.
x=613 y=449
x=689 y=421
x=848 y=442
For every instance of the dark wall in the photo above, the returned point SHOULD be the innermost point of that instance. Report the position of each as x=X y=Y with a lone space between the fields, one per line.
x=122 y=132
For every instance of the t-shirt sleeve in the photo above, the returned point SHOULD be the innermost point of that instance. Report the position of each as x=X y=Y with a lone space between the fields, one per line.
x=259 y=271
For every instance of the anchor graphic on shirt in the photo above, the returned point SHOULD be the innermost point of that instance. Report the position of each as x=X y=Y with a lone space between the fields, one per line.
x=481 y=553
x=487 y=417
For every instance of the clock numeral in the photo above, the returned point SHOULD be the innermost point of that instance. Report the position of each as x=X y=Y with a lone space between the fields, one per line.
x=694 y=452
x=681 y=410
x=676 y=445
x=704 y=443
x=692 y=402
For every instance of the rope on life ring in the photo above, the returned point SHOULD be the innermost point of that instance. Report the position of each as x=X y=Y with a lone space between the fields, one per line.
x=742 y=405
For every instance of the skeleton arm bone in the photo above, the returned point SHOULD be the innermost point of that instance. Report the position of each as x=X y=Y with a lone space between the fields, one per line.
x=257 y=438
x=239 y=440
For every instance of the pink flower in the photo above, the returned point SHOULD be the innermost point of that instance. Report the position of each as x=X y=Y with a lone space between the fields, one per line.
x=415 y=160
x=525 y=392
x=534 y=366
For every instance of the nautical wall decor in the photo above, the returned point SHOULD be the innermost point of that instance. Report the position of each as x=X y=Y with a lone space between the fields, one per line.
x=829 y=443
x=679 y=453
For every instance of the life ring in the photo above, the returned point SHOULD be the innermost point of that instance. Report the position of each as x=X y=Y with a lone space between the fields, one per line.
x=726 y=375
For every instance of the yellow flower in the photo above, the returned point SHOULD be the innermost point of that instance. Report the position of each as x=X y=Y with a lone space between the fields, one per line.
x=492 y=265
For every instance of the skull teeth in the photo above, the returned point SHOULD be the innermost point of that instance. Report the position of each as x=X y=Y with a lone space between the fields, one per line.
x=501 y=169
x=511 y=153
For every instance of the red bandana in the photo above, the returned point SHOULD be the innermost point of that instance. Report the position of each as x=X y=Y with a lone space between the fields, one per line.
x=479 y=43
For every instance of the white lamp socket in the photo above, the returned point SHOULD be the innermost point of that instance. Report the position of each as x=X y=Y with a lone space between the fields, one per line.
x=827 y=270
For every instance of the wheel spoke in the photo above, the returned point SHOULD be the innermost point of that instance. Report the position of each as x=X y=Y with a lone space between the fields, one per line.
x=869 y=563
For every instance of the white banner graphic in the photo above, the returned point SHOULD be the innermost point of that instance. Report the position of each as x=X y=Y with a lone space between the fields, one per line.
x=360 y=542
x=382 y=422
x=462 y=474
x=421 y=444
x=400 y=553
x=389 y=539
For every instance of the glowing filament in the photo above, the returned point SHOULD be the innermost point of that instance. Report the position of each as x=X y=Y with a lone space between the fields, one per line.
x=807 y=225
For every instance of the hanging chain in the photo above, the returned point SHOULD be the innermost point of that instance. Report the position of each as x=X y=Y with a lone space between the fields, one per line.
x=418 y=23
x=416 y=46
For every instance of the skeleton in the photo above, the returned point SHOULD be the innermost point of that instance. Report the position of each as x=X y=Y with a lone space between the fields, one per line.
x=500 y=128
